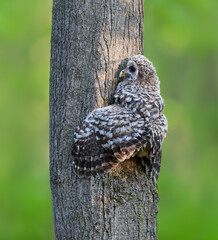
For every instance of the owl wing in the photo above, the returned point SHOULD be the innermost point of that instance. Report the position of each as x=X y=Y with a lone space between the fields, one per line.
x=108 y=136
x=89 y=155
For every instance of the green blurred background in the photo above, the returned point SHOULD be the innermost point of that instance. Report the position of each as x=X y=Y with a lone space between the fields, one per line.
x=181 y=38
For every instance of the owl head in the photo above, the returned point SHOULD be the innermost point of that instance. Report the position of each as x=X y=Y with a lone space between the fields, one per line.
x=138 y=67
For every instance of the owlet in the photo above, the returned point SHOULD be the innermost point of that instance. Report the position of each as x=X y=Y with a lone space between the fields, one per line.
x=133 y=126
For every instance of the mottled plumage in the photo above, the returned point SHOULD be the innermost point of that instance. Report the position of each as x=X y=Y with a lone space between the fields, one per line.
x=133 y=126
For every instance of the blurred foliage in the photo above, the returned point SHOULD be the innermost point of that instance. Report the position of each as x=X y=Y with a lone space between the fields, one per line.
x=181 y=38
x=25 y=200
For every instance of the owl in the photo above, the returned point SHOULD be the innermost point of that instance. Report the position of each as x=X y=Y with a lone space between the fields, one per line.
x=134 y=126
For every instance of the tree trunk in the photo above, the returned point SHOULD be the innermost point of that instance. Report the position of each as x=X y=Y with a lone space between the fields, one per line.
x=89 y=40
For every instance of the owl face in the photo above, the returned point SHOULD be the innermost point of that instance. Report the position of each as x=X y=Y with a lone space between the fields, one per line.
x=130 y=72
x=138 y=67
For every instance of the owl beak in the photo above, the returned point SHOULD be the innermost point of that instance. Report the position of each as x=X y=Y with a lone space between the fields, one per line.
x=121 y=74
x=124 y=74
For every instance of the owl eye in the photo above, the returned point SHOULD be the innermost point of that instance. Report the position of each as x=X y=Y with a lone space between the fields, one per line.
x=132 y=69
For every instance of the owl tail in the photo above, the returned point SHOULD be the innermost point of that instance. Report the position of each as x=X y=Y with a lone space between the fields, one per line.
x=155 y=166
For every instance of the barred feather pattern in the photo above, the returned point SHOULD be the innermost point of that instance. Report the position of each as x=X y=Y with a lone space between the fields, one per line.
x=133 y=126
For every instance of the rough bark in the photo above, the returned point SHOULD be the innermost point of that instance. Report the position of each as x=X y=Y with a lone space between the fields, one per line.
x=89 y=40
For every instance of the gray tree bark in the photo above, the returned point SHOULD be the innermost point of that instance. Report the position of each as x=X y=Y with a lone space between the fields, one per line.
x=89 y=40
